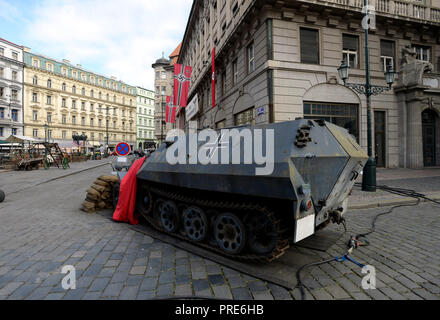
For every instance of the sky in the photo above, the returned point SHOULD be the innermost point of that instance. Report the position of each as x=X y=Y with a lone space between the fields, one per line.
x=120 y=38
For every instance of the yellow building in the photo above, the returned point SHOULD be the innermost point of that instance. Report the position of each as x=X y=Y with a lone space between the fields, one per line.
x=71 y=100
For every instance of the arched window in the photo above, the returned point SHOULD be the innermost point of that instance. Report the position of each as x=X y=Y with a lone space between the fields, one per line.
x=49 y=83
x=35 y=80
x=74 y=89
x=91 y=93
x=107 y=96
x=100 y=95
x=83 y=91
x=63 y=86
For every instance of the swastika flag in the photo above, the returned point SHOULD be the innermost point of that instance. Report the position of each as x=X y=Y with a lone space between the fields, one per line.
x=182 y=76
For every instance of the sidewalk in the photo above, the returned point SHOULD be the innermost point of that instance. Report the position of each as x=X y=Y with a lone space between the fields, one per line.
x=14 y=181
x=426 y=181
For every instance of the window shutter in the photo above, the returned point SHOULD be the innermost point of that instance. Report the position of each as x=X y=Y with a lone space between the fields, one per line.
x=309 y=46
x=349 y=42
x=387 y=48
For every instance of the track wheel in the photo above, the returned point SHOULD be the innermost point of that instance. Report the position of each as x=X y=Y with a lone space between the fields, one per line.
x=229 y=232
x=168 y=215
x=144 y=202
x=262 y=233
x=195 y=223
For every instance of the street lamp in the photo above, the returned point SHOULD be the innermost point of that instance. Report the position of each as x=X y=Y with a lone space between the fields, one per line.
x=46 y=126
x=106 y=132
x=369 y=173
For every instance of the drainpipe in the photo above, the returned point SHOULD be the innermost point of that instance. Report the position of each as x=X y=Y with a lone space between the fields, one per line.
x=270 y=71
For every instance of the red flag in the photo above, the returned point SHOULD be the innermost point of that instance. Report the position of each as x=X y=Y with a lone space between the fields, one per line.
x=170 y=111
x=182 y=76
x=213 y=77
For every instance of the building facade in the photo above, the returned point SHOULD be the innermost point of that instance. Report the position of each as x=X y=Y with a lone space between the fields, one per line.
x=71 y=100
x=163 y=84
x=144 y=118
x=278 y=60
x=11 y=89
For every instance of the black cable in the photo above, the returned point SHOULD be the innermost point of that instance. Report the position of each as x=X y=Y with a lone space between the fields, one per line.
x=362 y=236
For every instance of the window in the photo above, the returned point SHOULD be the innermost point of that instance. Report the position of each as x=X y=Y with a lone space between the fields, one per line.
x=91 y=107
x=14 y=75
x=114 y=124
x=63 y=87
x=73 y=119
x=350 y=50
x=163 y=91
x=35 y=115
x=2 y=91
x=14 y=131
x=73 y=89
x=63 y=134
x=343 y=115
x=2 y=113
x=83 y=91
x=251 y=58
x=244 y=117
x=309 y=43
x=100 y=95
x=91 y=93
x=49 y=83
x=63 y=119
x=157 y=75
x=83 y=106
x=422 y=52
x=49 y=117
x=14 y=95
x=100 y=136
x=235 y=72
x=387 y=54
x=73 y=104
x=63 y=102
x=99 y=123
x=92 y=122
x=83 y=121
x=2 y=73
x=35 y=133
x=63 y=71
x=49 y=134
x=164 y=75
x=35 y=80
x=114 y=98
x=49 y=100
x=2 y=51
x=157 y=90
x=221 y=124
x=15 y=55
x=14 y=115
x=49 y=67
x=34 y=97
x=107 y=97
x=1 y=131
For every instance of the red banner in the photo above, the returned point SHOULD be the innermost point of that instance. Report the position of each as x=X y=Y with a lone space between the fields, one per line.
x=182 y=76
x=170 y=111
x=213 y=77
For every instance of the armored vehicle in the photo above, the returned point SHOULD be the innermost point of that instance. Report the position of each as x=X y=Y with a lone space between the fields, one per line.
x=249 y=192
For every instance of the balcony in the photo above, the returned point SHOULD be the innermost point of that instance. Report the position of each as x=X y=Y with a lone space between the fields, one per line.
x=392 y=8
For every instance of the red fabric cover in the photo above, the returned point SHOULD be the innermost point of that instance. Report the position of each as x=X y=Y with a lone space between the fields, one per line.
x=127 y=195
x=182 y=76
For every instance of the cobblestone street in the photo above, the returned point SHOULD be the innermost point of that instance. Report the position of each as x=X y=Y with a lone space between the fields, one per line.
x=42 y=229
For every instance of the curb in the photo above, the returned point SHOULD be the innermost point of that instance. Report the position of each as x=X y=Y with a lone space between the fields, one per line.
x=392 y=202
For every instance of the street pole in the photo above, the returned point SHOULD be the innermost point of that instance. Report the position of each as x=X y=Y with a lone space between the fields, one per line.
x=161 y=120
x=369 y=173
x=106 y=133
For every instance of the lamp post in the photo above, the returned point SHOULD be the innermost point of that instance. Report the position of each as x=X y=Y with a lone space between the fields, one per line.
x=106 y=131
x=369 y=172
x=46 y=126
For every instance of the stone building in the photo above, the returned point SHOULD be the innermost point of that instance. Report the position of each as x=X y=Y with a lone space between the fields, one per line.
x=72 y=100
x=11 y=89
x=278 y=60
x=144 y=118
x=163 y=84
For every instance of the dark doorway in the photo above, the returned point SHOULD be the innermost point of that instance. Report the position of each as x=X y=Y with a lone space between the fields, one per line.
x=379 y=137
x=428 y=132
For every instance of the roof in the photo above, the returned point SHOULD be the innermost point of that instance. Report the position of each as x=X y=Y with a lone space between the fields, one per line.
x=11 y=43
x=175 y=54
x=21 y=139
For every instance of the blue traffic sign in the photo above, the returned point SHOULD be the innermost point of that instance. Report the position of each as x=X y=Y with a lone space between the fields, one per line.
x=122 y=149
